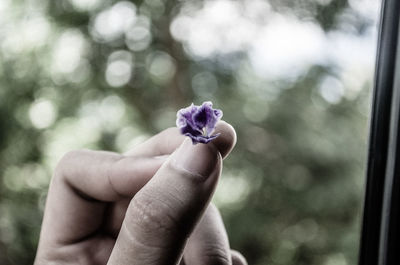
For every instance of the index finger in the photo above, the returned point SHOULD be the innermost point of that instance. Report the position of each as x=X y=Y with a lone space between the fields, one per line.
x=168 y=140
x=160 y=144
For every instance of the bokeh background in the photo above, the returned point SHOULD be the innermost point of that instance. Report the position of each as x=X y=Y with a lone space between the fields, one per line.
x=293 y=77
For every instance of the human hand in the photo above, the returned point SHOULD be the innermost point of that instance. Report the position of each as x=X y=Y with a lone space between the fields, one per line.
x=149 y=206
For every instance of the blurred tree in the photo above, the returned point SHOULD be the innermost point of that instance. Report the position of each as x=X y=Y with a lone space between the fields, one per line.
x=108 y=74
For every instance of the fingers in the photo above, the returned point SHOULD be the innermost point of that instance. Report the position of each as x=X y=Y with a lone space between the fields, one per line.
x=106 y=176
x=209 y=243
x=162 y=143
x=237 y=258
x=168 y=140
x=83 y=181
x=164 y=212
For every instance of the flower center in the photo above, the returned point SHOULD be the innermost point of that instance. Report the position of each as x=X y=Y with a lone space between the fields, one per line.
x=204 y=131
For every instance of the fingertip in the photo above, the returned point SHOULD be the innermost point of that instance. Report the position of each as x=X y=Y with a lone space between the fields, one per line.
x=199 y=160
x=227 y=140
x=237 y=258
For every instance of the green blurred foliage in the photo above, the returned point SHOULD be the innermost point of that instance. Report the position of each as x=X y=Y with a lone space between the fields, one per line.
x=109 y=74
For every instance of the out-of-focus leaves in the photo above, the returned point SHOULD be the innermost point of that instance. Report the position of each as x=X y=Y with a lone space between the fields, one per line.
x=293 y=78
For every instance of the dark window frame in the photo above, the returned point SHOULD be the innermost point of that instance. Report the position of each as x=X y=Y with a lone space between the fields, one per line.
x=380 y=236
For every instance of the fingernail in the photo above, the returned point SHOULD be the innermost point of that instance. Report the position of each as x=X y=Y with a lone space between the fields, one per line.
x=199 y=159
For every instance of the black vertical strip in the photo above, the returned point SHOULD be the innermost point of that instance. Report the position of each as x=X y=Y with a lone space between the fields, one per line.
x=389 y=253
x=379 y=133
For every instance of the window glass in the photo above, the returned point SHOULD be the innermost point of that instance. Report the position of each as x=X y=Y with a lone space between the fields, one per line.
x=293 y=77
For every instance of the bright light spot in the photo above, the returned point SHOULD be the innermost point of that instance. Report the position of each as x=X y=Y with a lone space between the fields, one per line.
x=304 y=231
x=222 y=12
x=68 y=50
x=217 y=28
x=367 y=8
x=231 y=190
x=138 y=38
x=4 y=10
x=13 y=42
x=180 y=27
x=27 y=176
x=336 y=259
x=85 y=5
x=107 y=113
x=256 y=10
x=111 y=110
x=42 y=113
x=35 y=31
x=12 y=179
x=161 y=66
x=119 y=68
x=25 y=35
x=111 y=23
x=118 y=73
x=331 y=90
x=286 y=47
x=203 y=43
x=4 y=5
x=71 y=134
x=279 y=46
x=354 y=57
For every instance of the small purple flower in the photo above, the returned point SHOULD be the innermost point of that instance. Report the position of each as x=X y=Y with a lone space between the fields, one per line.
x=198 y=122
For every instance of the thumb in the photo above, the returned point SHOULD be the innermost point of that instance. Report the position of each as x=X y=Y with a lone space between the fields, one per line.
x=164 y=212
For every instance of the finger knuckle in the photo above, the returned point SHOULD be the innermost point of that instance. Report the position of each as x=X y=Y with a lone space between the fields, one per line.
x=216 y=255
x=151 y=217
x=67 y=162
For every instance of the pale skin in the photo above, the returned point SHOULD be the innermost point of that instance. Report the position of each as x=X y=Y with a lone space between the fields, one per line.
x=149 y=206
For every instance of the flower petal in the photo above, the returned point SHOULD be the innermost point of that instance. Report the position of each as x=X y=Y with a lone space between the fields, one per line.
x=198 y=122
x=184 y=116
x=202 y=139
x=203 y=114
